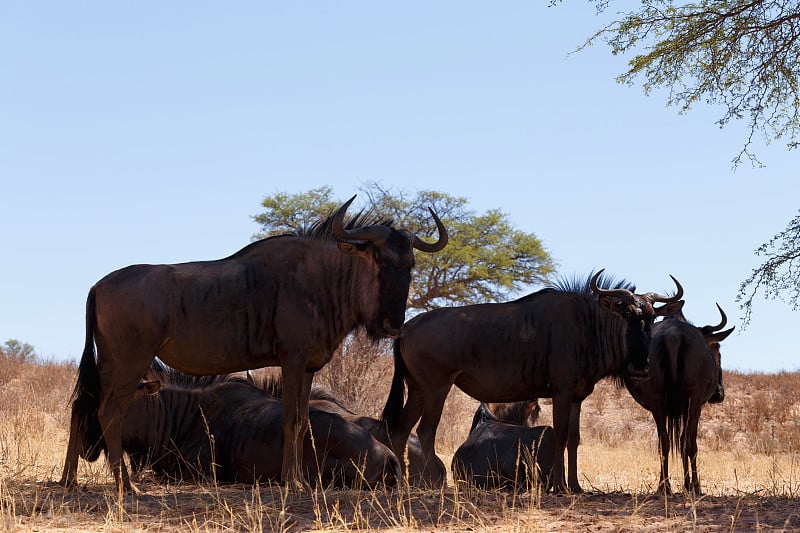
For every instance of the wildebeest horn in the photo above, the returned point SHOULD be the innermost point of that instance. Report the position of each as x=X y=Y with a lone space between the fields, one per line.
x=655 y=297
x=719 y=326
x=606 y=292
x=431 y=247
x=369 y=233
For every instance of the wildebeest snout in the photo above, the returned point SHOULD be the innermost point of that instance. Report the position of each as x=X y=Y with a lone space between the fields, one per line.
x=638 y=372
x=719 y=394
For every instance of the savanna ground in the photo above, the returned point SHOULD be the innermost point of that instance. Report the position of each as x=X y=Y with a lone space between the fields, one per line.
x=748 y=464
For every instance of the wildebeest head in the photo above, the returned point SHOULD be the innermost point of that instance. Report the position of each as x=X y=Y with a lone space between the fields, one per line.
x=713 y=336
x=639 y=312
x=390 y=251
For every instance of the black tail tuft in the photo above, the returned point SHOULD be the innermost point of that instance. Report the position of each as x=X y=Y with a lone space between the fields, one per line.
x=86 y=396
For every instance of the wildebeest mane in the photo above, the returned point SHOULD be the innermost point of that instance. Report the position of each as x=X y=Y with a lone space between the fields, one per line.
x=581 y=284
x=322 y=229
x=169 y=376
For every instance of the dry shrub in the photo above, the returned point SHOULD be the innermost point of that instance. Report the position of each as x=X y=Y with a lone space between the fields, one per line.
x=360 y=374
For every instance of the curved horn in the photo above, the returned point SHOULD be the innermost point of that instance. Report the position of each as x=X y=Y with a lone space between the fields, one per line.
x=431 y=247
x=606 y=292
x=655 y=297
x=370 y=233
x=720 y=325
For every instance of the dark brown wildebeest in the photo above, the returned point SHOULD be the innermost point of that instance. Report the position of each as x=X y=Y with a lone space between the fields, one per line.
x=228 y=430
x=323 y=400
x=685 y=373
x=285 y=301
x=557 y=342
x=499 y=454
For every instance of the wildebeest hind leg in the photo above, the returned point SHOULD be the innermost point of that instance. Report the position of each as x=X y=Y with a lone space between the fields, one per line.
x=111 y=413
x=399 y=434
x=691 y=452
x=663 y=451
x=426 y=431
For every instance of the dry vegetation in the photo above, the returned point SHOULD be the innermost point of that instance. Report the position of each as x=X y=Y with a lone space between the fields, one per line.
x=748 y=467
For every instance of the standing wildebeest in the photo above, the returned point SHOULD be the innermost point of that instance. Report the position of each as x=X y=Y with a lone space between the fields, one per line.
x=324 y=400
x=557 y=343
x=500 y=454
x=229 y=430
x=285 y=301
x=685 y=373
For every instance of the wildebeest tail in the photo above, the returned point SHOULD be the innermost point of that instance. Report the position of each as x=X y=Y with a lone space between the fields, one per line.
x=675 y=426
x=394 y=402
x=86 y=396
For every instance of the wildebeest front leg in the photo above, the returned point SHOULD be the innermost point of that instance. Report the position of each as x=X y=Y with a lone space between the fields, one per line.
x=561 y=410
x=296 y=390
x=573 y=440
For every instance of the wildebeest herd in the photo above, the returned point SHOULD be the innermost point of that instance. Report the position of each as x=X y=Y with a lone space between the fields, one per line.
x=289 y=301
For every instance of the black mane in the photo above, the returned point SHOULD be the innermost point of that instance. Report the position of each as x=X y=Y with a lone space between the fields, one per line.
x=323 y=229
x=169 y=376
x=580 y=284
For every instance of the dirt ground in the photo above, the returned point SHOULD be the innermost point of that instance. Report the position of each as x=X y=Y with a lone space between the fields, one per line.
x=37 y=506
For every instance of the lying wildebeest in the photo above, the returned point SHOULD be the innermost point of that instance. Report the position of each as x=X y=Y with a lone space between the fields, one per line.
x=518 y=413
x=499 y=454
x=557 y=342
x=685 y=373
x=324 y=400
x=285 y=301
x=228 y=430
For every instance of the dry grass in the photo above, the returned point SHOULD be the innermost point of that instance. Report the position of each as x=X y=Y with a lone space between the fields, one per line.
x=748 y=464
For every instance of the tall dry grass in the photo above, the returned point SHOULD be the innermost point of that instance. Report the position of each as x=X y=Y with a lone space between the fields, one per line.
x=748 y=463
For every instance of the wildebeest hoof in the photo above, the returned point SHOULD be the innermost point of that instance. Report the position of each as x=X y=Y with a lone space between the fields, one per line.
x=298 y=487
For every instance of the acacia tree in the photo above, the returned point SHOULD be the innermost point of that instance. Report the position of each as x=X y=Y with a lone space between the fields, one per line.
x=779 y=274
x=743 y=55
x=486 y=259
x=740 y=54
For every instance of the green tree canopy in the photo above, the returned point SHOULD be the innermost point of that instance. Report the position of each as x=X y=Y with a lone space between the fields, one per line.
x=487 y=258
x=740 y=54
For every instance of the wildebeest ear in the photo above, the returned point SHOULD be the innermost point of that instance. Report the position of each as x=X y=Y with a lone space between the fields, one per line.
x=351 y=248
x=148 y=387
x=719 y=336
x=669 y=309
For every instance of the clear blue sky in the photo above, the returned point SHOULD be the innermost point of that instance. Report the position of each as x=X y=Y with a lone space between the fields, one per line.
x=149 y=132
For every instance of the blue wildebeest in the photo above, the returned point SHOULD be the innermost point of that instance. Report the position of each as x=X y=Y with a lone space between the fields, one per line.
x=685 y=373
x=518 y=413
x=501 y=454
x=285 y=301
x=555 y=343
x=228 y=430
x=324 y=400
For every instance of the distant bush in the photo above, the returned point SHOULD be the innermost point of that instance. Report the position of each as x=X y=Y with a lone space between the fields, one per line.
x=15 y=350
